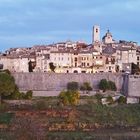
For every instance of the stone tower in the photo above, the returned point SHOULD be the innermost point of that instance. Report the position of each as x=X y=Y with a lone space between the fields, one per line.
x=96 y=34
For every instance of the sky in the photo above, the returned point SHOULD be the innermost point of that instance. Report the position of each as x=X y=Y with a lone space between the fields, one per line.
x=24 y=23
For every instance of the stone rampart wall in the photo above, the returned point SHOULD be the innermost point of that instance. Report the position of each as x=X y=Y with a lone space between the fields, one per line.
x=58 y=82
x=134 y=85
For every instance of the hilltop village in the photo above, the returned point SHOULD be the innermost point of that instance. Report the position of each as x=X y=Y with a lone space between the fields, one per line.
x=43 y=97
x=103 y=55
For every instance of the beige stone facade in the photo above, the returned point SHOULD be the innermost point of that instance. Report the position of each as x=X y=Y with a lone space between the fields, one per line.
x=106 y=55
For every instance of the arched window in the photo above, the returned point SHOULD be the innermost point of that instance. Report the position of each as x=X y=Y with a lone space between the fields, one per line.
x=75 y=71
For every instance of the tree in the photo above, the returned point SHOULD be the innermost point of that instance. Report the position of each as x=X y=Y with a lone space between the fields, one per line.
x=103 y=85
x=135 y=69
x=86 y=87
x=52 y=67
x=73 y=86
x=107 y=85
x=112 y=86
x=82 y=88
x=14 y=95
x=7 y=84
x=69 y=97
x=29 y=94
x=30 y=66
x=117 y=68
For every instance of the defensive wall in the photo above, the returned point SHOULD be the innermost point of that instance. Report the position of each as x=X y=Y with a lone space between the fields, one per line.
x=133 y=86
x=40 y=82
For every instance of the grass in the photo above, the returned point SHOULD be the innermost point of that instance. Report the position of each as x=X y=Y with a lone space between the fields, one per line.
x=120 y=116
x=68 y=136
x=5 y=118
x=91 y=136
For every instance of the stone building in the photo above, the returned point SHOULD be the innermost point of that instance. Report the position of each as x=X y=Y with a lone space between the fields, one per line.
x=108 y=39
x=106 y=55
x=96 y=34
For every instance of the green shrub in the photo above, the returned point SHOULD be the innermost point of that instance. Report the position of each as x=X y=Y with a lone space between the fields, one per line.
x=98 y=97
x=73 y=86
x=112 y=86
x=103 y=85
x=109 y=99
x=86 y=87
x=7 y=85
x=107 y=85
x=7 y=71
x=82 y=88
x=29 y=94
x=135 y=69
x=122 y=100
x=16 y=95
x=52 y=67
x=69 y=97
x=64 y=97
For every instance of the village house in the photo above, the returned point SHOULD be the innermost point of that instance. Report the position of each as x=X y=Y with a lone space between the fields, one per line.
x=106 y=55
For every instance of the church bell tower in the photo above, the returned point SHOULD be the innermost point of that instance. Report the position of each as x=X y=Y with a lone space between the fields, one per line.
x=96 y=34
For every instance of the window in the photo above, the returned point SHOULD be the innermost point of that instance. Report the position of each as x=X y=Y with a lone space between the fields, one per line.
x=75 y=71
x=96 y=30
x=87 y=64
x=83 y=64
x=83 y=71
x=75 y=58
x=47 y=56
x=138 y=58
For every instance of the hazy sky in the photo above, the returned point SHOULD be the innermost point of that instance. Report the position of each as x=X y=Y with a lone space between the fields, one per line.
x=30 y=22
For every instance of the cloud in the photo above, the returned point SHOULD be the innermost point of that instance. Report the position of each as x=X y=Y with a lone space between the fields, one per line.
x=55 y=20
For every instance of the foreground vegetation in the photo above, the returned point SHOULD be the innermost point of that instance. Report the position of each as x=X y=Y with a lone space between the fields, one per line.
x=45 y=118
x=67 y=116
x=9 y=89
